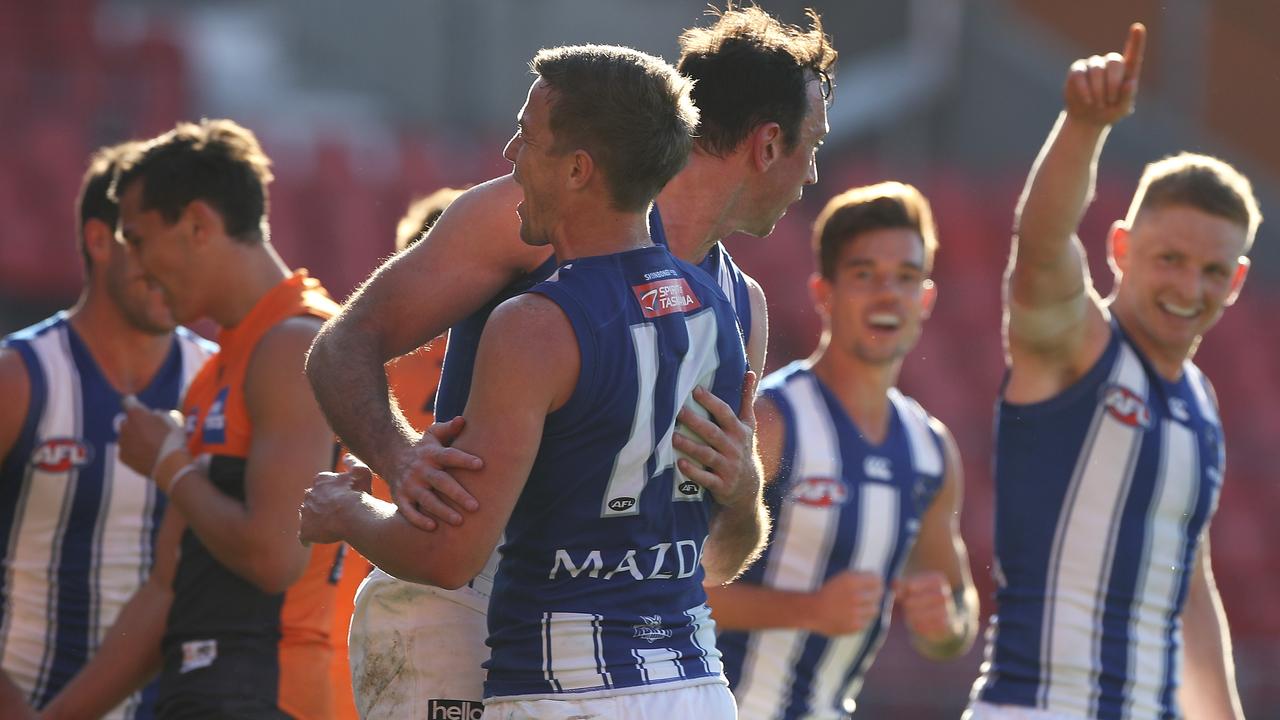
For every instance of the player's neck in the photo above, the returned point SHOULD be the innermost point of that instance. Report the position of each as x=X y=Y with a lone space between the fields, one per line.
x=696 y=206
x=128 y=357
x=861 y=388
x=1167 y=361
x=247 y=273
x=599 y=232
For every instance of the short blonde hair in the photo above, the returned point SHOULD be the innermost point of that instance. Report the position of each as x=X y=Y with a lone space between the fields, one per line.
x=1201 y=182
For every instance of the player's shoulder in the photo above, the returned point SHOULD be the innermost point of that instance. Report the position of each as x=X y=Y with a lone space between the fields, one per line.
x=29 y=334
x=13 y=370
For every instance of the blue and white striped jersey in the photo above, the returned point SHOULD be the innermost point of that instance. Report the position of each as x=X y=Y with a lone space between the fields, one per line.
x=838 y=503
x=77 y=526
x=599 y=587
x=1102 y=496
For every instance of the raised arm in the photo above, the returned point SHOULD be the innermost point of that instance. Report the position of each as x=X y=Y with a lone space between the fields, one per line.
x=526 y=337
x=467 y=258
x=936 y=593
x=1055 y=326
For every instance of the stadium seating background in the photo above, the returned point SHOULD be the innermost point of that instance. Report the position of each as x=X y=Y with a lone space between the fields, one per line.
x=67 y=86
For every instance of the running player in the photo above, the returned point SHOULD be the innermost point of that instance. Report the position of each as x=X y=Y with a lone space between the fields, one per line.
x=1109 y=453
x=762 y=89
x=598 y=607
x=863 y=483
x=78 y=527
x=248 y=609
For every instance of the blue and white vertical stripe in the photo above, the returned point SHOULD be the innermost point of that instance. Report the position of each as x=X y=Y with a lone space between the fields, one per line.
x=831 y=515
x=77 y=526
x=1088 y=616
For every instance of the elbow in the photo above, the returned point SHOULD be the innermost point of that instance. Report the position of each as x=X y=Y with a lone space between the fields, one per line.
x=274 y=575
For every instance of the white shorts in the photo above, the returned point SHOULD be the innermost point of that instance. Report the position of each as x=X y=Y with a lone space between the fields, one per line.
x=416 y=650
x=979 y=710
x=708 y=701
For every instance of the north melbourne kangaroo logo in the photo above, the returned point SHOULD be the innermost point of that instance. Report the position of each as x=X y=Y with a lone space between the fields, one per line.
x=651 y=630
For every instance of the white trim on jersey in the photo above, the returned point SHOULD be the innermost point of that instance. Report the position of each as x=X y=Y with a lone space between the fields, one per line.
x=1177 y=490
x=1084 y=547
x=878 y=514
x=925 y=454
x=704 y=638
x=802 y=544
x=572 y=656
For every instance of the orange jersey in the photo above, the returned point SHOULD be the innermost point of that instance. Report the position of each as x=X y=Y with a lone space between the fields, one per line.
x=413 y=379
x=212 y=602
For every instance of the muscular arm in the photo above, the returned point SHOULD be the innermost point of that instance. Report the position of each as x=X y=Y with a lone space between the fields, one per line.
x=845 y=603
x=130 y=652
x=939 y=599
x=758 y=343
x=13 y=702
x=1054 y=326
x=525 y=337
x=257 y=538
x=1208 y=689
x=467 y=258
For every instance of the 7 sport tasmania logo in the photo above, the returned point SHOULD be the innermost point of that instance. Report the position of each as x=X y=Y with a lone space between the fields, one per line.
x=61 y=455
x=664 y=297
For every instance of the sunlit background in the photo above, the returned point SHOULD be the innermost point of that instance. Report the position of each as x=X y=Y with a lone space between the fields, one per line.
x=364 y=105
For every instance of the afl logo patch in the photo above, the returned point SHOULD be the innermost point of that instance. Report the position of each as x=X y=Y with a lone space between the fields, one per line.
x=1125 y=406
x=622 y=504
x=61 y=455
x=820 y=492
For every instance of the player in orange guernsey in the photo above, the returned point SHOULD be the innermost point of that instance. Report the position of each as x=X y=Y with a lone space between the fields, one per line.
x=240 y=622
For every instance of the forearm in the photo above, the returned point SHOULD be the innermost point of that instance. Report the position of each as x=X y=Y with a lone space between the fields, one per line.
x=744 y=606
x=347 y=374
x=264 y=552
x=128 y=657
x=375 y=529
x=736 y=539
x=1059 y=188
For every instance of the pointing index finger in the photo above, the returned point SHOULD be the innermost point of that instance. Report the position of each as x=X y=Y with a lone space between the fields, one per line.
x=1134 y=48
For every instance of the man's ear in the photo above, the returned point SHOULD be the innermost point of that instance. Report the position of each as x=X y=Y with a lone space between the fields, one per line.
x=580 y=170
x=928 y=299
x=98 y=238
x=1237 y=281
x=766 y=145
x=1118 y=248
x=203 y=222
x=820 y=293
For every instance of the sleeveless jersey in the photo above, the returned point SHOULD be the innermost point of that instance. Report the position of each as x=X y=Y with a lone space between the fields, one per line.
x=277 y=643
x=839 y=503
x=1102 y=495
x=599 y=587
x=464 y=338
x=77 y=526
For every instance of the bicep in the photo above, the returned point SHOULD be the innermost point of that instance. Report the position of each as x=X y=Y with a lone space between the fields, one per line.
x=526 y=365
x=1051 y=305
x=771 y=433
x=470 y=254
x=291 y=441
x=15 y=387
x=758 y=342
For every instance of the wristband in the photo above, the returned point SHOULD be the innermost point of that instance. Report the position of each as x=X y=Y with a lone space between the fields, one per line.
x=162 y=476
x=186 y=470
